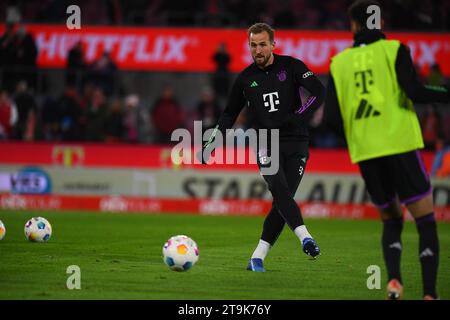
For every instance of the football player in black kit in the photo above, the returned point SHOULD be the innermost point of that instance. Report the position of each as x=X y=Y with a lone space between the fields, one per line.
x=270 y=88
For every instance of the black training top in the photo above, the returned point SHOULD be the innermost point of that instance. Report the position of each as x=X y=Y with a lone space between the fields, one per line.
x=273 y=97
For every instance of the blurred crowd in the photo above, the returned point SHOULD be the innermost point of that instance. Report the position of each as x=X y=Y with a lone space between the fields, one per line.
x=401 y=14
x=94 y=107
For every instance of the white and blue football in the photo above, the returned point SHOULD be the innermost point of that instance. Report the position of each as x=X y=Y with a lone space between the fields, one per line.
x=180 y=253
x=38 y=229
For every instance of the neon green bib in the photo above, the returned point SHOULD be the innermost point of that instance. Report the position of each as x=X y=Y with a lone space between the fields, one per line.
x=379 y=119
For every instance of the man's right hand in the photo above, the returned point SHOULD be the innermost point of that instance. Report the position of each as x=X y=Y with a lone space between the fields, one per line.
x=207 y=148
x=204 y=153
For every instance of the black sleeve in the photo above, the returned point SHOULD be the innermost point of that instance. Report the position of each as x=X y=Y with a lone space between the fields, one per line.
x=236 y=102
x=332 y=114
x=408 y=80
x=306 y=79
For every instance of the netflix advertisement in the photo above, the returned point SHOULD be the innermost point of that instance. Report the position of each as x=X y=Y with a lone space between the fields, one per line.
x=191 y=49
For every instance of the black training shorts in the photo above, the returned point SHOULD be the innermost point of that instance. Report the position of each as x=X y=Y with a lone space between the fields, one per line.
x=401 y=175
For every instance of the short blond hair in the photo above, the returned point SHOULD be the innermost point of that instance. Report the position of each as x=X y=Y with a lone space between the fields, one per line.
x=261 y=27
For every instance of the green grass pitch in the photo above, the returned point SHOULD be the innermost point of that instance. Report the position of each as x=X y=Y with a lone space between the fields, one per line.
x=120 y=257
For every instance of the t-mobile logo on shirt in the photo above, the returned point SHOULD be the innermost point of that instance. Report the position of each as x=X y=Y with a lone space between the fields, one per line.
x=272 y=102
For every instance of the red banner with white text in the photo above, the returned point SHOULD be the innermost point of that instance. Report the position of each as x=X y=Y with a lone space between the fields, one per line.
x=191 y=49
x=191 y=206
x=152 y=156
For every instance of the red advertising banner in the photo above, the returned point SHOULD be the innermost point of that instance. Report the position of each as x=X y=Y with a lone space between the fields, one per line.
x=151 y=156
x=191 y=49
x=190 y=206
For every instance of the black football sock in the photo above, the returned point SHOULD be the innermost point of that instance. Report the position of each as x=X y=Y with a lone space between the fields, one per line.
x=428 y=252
x=392 y=246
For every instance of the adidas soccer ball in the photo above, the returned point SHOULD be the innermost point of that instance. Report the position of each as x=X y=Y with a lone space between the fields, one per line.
x=180 y=253
x=2 y=230
x=38 y=229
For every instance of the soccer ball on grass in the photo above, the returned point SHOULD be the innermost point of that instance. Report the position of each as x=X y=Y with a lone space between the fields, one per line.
x=2 y=230
x=180 y=253
x=38 y=229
